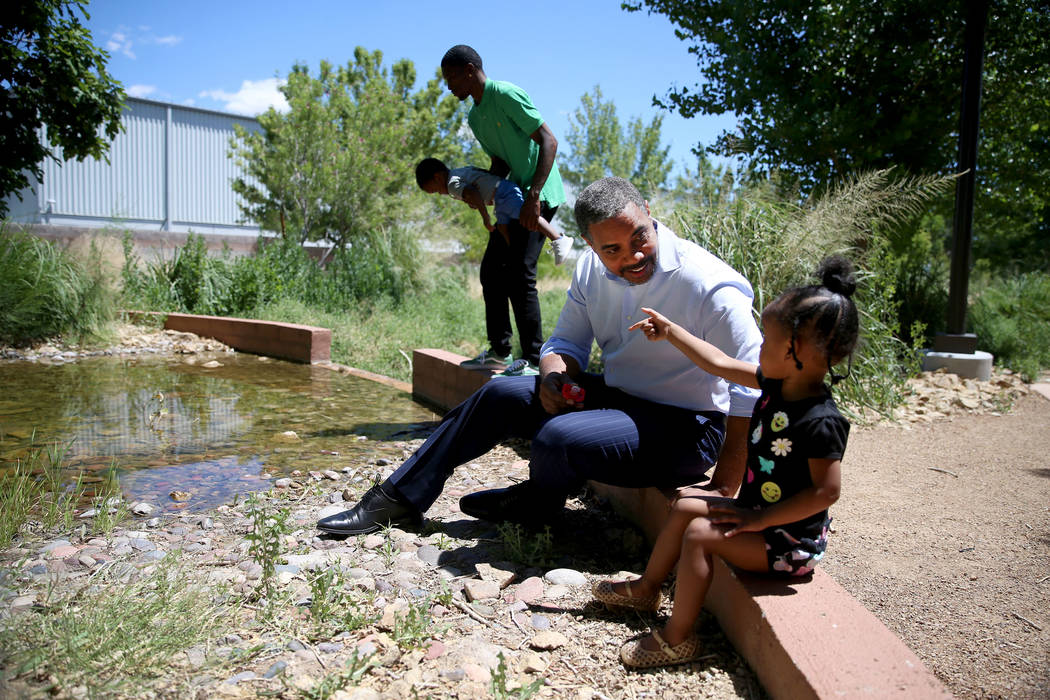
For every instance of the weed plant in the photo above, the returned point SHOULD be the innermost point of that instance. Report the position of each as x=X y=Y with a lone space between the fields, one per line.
x=415 y=626
x=36 y=491
x=45 y=291
x=110 y=639
x=527 y=547
x=264 y=543
x=352 y=672
x=499 y=685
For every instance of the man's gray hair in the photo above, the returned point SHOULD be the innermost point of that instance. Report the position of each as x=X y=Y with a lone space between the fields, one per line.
x=604 y=199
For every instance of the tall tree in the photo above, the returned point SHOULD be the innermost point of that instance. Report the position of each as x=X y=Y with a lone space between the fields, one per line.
x=339 y=164
x=599 y=146
x=52 y=77
x=826 y=89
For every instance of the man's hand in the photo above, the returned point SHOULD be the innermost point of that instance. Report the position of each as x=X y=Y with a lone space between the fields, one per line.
x=551 y=396
x=530 y=211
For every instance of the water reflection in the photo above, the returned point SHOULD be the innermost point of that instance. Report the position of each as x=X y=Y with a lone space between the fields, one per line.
x=164 y=424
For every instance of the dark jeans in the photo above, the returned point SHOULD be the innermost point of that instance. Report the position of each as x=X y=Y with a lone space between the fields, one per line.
x=620 y=440
x=508 y=273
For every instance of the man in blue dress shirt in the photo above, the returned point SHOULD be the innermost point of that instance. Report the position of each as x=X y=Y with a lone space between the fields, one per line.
x=651 y=418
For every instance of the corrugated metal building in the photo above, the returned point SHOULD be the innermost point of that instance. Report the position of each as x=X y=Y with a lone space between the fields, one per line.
x=169 y=171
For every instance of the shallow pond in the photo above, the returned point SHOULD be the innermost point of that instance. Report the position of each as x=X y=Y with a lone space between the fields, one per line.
x=168 y=424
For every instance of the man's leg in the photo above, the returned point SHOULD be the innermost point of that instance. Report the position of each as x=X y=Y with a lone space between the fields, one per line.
x=523 y=257
x=495 y=291
x=619 y=440
x=637 y=445
x=507 y=407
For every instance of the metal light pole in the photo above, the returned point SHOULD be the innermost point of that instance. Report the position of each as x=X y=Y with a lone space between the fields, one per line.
x=957 y=339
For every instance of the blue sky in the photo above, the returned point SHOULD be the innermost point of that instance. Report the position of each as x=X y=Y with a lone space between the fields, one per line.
x=230 y=55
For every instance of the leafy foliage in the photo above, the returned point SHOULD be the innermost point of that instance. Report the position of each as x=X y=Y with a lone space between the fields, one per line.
x=825 y=90
x=51 y=76
x=599 y=146
x=339 y=165
x=1011 y=317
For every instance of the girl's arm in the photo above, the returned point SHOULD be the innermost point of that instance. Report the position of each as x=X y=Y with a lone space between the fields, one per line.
x=703 y=354
x=827 y=482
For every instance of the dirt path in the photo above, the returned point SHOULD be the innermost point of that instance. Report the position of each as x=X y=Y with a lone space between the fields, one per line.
x=943 y=531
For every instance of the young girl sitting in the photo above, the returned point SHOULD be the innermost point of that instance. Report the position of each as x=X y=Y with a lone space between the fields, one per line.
x=778 y=523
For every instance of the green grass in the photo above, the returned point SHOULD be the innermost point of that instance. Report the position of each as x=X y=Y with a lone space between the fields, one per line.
x=107 y=638
x=380 y=336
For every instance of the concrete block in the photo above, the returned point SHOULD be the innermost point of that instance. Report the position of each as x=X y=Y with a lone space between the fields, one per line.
x=976 y=365
x=439 y=380
x=288 y=341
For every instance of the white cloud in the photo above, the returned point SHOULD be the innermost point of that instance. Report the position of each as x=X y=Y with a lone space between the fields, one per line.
x=122 y=43
x=254 y=97
x=141 y=90
x=125 y=38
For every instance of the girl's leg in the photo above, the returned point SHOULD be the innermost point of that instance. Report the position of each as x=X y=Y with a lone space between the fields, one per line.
x=667 y=548
x=700 y=542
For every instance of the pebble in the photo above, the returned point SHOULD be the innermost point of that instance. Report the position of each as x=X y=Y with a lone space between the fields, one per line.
x=565 y=577
x=330 y=647
x=143 y=545
x=502 y=574
x=142 y=509
x=87 y=560
x=429 y=554
x=373 y=541
x=548 y=640
x=540 y=622
x=527 y=591
x=295 y=645
x=275 y=669
x=454 y=674
x=242 y=676
x=480 y=590
x=283 y=483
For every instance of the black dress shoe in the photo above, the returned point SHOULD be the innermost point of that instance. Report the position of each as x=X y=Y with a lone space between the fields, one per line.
x=520 y=503
x=376 y=510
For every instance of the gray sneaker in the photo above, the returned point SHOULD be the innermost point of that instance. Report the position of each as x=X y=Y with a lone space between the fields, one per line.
x=487 y=360
x=519 y=368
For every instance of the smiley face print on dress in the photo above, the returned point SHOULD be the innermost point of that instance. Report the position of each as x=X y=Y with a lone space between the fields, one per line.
x=779 y=422
x=770 y=491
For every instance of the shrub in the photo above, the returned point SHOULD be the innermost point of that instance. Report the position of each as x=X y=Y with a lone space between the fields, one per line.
x=1011 y=318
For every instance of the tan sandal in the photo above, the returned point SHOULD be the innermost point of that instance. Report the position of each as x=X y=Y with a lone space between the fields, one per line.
x=603 y=591
x=633 y=655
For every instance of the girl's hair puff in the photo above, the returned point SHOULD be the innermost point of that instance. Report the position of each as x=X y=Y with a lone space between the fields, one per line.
x=824 y=313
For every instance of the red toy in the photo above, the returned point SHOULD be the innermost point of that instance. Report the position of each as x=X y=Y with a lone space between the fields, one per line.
x=573 y=392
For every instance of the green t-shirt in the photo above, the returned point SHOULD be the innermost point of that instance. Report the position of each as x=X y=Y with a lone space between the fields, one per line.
x=503 y=122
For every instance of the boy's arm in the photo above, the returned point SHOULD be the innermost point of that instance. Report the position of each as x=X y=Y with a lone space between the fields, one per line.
x=703 y=354
x=472 y=196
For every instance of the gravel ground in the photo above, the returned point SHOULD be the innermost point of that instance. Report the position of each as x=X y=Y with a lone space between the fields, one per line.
x=943 y=531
